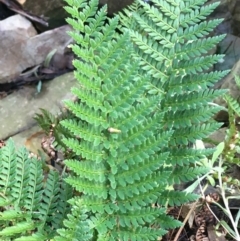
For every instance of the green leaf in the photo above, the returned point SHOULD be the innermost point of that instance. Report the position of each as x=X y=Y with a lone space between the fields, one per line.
x=218 y=152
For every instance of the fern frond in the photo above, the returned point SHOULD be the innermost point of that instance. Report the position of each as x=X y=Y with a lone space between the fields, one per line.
x=183 y=157
x=232 y=103
x=77 y=224
x=143 y=234
x=187 y=118
x=51 y=126
x=23 y=195
x=195 y=132
x=198 y=47
x=20 y=187
x=8 y=163
x=118 y=138
x=20 y=227
x=63 y=206
x=237 y=80
x=126 y=139
x=194 y=16
x=170 y=38
x=35 y=186
x=176 y=198
x=180 y=175
x=33 y=237
x=49 y=202
x=199 y=30
x=167 y=222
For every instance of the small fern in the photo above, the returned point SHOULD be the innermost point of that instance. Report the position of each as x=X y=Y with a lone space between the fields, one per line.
x=23 y=195
x=51 y=126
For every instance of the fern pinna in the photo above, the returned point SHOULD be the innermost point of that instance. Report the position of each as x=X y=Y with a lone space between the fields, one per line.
x=171 y=38
x=121 y=171
x=28 y=204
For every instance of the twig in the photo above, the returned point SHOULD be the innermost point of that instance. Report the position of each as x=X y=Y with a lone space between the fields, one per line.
x=185 y=220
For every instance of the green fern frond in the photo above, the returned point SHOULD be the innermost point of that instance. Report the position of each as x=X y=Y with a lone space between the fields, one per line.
x=167 y=222
x=19 y=228
x=195 y=132
x=143 y=234
x=20 y=188
x=8 y=163
x=118 y=138
x=77 y=224
x=33 y=237
x=180 y=175
x=63 y=207
x=232 y=103
x=35 y=185
x=184 y=157
x=237 y=80
x=187 y=118
x=176 y=198
x=22 y=195
x=200 y=82
x=194 y=15
x=231 y=146
x=46 y=120
x=171 y=39
x=50 y=197
x=126 y=139
x=12 y=215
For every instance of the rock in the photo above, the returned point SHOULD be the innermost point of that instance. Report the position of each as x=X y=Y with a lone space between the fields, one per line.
x=234 y=7
x=115 y=5
x=42 y=7
x=23 y=49
x=18 y=109
x=230 y=46
x=52 y=10
x=216 y=137
x=229 y=81
x=222 y=12
x=14 y=33
x=38 y=47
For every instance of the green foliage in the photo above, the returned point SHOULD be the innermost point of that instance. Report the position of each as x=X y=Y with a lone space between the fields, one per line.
x=24 y=195
x=121 y=172
x=143 y=99
x=134 y=126
x=172 y=40
x=77 y=224
x=232 y=140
